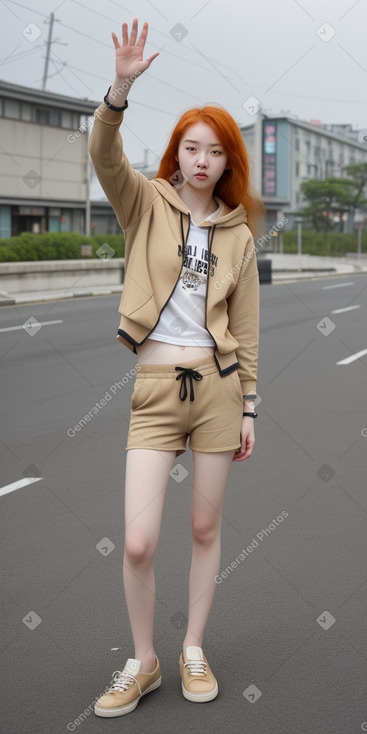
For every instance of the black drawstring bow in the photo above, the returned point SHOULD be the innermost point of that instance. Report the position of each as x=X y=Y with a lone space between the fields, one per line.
x=190 y=373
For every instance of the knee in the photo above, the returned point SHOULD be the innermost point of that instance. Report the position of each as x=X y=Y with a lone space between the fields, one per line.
x=138 y=549
x=204 y=530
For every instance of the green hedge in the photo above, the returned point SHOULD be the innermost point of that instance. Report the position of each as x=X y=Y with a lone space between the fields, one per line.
x=66 y=245
x=334 y=244
x=55 y=246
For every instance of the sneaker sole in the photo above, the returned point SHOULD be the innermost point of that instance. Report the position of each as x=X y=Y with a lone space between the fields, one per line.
x=200 y=697
x=108 y=713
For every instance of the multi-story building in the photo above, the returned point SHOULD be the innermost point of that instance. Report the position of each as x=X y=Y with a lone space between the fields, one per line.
x=43 y=161
x=286 y=151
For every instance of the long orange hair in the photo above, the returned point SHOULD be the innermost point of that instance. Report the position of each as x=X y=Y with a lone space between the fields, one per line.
x=234 y=185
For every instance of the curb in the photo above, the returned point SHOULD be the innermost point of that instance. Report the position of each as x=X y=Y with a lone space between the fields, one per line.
x=24 y=299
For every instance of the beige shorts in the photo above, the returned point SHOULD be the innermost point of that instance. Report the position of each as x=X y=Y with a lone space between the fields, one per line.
x=171 y=402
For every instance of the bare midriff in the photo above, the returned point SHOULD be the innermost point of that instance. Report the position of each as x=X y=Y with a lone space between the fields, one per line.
x=155 y=352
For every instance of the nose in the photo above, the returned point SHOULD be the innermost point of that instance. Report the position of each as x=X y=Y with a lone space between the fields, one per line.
x=202 y=161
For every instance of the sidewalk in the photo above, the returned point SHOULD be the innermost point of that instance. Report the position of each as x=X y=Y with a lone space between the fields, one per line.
x=11 y=299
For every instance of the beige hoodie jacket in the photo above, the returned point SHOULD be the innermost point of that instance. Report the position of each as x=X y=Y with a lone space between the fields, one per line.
x=156 y=223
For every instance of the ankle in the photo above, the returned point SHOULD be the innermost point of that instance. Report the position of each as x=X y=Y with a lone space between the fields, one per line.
x=148 y=664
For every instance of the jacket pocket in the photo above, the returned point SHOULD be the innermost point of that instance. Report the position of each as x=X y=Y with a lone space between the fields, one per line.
x=143 y=311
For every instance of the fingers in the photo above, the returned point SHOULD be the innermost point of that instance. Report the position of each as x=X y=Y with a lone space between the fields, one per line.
x=151 y=58
x=125 y=38
x=143 y=35
x=134 y=31
x=115 y=40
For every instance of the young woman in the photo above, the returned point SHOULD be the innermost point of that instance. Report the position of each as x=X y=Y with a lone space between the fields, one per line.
x=190 y=312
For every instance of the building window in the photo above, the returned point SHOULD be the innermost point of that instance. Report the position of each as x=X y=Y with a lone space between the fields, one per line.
x=26 y=112
x=12 y=109
x=42 y=115
x=297 y=168
x=5 y=221
x=66 y=119
x=51 y=117
x=297 y=143
x=55 y=118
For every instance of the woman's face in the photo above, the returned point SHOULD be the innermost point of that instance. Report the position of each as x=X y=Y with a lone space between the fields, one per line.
x=201 y=157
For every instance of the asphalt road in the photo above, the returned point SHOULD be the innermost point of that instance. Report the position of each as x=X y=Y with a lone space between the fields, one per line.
x=287 y=634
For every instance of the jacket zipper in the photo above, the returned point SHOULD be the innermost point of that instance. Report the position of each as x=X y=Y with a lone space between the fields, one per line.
x=210 y=240
x=184 y=241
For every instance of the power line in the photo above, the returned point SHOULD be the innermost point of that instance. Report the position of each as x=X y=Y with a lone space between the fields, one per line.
x=96 y=40
x=22 y=54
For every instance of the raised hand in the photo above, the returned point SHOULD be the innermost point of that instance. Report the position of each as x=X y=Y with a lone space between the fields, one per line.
x=129 y=56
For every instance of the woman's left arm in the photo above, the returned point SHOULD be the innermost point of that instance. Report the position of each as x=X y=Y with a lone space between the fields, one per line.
x=243 y=319
x=243 y=324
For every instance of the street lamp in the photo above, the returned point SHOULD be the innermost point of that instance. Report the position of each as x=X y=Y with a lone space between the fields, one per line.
x=298 y=221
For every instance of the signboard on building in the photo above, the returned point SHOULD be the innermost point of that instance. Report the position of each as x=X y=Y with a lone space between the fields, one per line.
x=269 y=137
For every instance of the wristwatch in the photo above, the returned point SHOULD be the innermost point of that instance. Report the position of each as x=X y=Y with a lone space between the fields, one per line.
x=253 y=415
x=111 y=106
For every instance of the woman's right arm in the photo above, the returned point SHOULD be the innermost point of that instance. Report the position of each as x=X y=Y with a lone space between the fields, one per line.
x=128 y=191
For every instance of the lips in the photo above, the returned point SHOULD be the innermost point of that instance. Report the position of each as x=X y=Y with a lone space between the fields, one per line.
x=201 y=176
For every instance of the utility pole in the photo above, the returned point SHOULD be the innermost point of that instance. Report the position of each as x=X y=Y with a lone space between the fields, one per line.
x=48 y=49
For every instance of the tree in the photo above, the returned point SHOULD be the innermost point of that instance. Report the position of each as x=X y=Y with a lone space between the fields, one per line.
x=334 y=196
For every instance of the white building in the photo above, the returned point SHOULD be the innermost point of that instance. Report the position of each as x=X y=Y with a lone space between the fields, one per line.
x=43 y=165
x=286 y=151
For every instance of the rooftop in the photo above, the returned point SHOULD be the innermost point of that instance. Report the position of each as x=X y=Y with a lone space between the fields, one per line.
x=58 y=101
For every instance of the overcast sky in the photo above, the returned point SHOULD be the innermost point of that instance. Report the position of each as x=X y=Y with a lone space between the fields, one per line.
x=306 y=59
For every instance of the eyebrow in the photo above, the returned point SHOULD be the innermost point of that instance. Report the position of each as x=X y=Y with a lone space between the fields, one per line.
x=211 y=145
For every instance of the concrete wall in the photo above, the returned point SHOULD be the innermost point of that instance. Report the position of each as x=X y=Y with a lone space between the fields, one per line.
x=40 y=163
x=45 y=275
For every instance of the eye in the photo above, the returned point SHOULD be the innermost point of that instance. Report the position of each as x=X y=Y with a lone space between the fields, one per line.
x=217 y=151
x=190 y=147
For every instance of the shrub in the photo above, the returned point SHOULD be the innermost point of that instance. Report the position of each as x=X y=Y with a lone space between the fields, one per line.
x=332 y=244
x=55 y=246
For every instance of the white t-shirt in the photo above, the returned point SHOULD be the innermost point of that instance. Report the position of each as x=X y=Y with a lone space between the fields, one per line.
x=182 y=320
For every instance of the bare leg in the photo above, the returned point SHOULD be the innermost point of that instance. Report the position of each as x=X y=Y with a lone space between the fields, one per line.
x=211 y=472
x=147 y=478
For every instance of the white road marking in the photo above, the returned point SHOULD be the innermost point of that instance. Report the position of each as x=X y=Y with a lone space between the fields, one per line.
x=41 y=323
x=338 y=285
x=353 y=357
x=343 y=310
x=19 y=484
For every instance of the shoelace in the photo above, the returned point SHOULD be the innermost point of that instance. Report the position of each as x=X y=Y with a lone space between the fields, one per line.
x=123 y=681
x=196 y=667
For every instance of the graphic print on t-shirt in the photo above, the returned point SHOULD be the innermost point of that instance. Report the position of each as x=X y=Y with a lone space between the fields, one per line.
x=195 y=266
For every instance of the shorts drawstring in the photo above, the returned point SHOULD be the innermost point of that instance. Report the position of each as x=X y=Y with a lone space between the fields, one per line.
x=190 y=373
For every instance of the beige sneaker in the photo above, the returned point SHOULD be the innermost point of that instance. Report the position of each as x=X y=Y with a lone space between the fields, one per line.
x=198 y=682
x=128 y=688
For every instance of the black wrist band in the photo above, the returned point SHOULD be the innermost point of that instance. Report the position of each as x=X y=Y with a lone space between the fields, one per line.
x=253 y=415
x=111 y=106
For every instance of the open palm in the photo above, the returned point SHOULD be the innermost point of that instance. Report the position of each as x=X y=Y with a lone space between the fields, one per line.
x=129 y=56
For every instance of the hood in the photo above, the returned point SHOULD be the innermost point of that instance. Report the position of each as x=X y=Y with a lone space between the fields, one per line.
x=230 y=218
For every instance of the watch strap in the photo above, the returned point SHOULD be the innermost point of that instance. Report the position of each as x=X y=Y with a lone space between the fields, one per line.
x=111 y=106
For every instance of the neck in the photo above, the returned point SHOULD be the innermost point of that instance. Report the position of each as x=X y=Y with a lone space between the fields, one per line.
x=200 y=203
